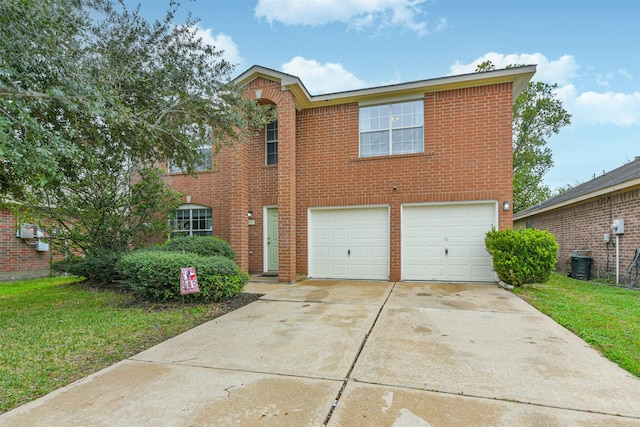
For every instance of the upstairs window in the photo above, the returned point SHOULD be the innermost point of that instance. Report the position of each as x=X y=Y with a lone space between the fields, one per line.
x=392 y=129
x=204 y=162
x=204 y=152
x=272 y=143
x=192 y=220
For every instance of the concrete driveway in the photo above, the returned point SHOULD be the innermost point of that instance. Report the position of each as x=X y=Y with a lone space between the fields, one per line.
x=357 y=354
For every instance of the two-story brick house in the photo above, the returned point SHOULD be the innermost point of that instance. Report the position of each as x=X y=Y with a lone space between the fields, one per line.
x=397 y=182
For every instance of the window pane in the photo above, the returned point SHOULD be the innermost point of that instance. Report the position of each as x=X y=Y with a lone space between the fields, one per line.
x=204 y=159
x=408 y=141
x=405 y=119
x=272 y=143
x=374 y=144
x=192 y=222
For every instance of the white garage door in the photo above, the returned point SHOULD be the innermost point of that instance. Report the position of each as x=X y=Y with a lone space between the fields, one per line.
x=349 y=243
x=446 y=242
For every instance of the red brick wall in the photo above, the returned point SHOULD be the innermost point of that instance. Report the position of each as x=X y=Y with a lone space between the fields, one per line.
x=19 y=260
x=467 y=157
x=582 y=226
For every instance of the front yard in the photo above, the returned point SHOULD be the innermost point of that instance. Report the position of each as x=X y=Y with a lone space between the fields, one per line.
x=54 y=331
x=607 y=317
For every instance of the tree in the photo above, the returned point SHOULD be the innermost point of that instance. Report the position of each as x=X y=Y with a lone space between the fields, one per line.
x=92 y=98
x=537 y=115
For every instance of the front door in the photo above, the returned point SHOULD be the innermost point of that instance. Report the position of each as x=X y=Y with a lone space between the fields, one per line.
x=272 y=239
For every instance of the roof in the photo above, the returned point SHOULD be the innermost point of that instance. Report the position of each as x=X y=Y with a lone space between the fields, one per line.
x=519 y=76
x=624 y=177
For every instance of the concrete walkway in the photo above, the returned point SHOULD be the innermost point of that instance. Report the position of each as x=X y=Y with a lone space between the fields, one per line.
x=357 y=354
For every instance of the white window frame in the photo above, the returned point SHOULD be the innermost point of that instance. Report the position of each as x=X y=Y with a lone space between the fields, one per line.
x=391 y=123
x=273 y=142
x=190 y=230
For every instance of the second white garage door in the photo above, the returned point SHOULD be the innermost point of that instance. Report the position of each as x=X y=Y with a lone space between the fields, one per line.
x=445 y=242
x=349 y=243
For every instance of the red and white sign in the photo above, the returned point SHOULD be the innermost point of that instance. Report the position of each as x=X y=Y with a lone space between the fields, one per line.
x=188 y=281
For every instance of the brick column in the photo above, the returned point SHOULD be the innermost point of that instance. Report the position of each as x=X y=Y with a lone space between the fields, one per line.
x=287 y=188
x=239 y=204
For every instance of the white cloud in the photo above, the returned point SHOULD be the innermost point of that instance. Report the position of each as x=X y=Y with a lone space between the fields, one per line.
x=604 y=80
x=619 y=109
x=221 y=42
x=357 y=14
x=322 y=78
x=587 y=108
x=560 y=71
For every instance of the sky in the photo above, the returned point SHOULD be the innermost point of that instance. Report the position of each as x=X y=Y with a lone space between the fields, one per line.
x=589 y=48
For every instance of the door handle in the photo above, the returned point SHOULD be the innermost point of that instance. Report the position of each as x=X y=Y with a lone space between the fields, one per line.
x=348 y=252
x=446 y=252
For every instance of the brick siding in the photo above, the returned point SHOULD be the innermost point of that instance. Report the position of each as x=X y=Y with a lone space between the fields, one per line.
x=19 y=260
x=467 y=157
x=582 y=226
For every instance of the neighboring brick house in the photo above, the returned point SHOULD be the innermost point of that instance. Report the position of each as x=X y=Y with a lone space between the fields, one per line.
x=324 y=193
x=19 y=258
x=580 y=218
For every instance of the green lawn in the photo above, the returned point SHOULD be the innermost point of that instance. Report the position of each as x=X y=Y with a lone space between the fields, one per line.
x=607 y=317
x=54 y=331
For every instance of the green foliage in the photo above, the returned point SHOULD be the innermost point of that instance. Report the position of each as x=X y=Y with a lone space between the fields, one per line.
x=201 y=245
x=99 y=268
x=604 y=316
x=522 y=256
x=155 y=275
x=92 y=97
x=537 y=115
x=57 y=330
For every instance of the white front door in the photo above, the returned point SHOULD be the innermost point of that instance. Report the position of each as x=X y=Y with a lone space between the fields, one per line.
x=445 y=242
x=350 y=243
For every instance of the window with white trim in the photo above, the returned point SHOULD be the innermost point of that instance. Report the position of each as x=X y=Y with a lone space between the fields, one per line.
x=192 y=220
x=271 y=135
x=392 y=129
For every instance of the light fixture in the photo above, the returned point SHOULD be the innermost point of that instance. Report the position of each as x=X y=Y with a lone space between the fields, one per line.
x=250 y=214
x=506 y=206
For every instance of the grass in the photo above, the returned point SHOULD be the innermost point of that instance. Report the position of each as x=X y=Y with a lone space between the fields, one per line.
x=607 y=317
x=54 y=331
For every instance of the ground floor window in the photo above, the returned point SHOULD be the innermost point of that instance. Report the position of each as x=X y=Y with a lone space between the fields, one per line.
x=192 y=221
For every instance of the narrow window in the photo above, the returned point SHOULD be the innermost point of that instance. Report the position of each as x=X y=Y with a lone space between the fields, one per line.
x=272 y=143
x=392 y=129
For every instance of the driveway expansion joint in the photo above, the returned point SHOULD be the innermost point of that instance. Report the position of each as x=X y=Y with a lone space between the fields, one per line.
x=355 y=359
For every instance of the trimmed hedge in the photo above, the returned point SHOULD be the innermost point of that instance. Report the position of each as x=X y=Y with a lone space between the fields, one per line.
x=201 y=245
x=95 y=268
x=155 y=275
x=523 y=256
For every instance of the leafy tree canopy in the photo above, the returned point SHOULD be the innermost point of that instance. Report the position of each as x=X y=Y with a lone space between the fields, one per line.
x=537 y=115
x=92 y=98
x=80 y=76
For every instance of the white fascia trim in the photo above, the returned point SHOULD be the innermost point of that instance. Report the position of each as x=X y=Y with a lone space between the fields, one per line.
x=613 y=189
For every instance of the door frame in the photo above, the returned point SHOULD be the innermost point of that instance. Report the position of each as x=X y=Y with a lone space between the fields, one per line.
x=265 y=228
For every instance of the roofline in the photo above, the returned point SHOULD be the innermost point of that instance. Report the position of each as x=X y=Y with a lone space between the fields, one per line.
x=612 y=189
x=520 y=76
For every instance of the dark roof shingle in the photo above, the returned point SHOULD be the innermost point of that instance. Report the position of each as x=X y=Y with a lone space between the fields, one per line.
x=624 y=173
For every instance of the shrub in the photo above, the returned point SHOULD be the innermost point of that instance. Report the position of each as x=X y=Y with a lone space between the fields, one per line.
x=201 y=245
x=523 y=256
x=155 y=275
x=95 y=268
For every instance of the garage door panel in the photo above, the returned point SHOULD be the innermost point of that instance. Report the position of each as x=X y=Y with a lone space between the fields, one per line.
x=357 y=242
x=429 y=230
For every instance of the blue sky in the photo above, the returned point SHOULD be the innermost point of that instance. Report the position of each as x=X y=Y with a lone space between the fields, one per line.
x=590 y=48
